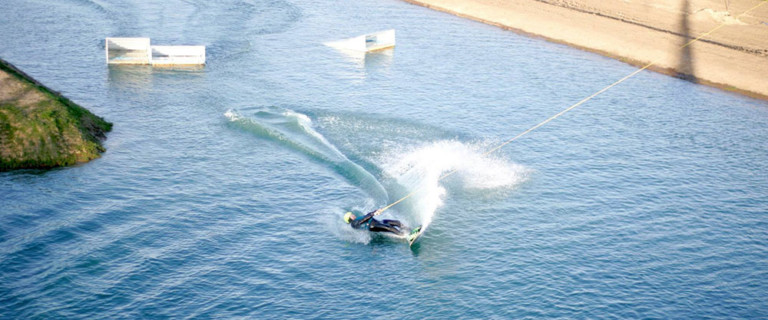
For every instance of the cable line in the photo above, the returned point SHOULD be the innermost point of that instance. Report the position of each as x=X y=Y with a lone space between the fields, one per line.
x=573 y=106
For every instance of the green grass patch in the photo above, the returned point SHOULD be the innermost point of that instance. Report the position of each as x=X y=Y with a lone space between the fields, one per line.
x=50 y=133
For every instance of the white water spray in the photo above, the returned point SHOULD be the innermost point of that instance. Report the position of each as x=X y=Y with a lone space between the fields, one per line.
x=421 y=169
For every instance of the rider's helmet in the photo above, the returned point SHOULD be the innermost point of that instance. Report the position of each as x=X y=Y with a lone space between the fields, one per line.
x=348 y=217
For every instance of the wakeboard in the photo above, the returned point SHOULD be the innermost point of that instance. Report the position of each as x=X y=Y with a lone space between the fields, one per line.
x=415 y=234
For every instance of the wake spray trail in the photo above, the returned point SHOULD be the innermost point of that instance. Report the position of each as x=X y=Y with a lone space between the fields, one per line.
x=421 y=169
x=294 y=130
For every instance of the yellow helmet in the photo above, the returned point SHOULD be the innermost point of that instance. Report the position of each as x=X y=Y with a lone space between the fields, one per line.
x=348 y=217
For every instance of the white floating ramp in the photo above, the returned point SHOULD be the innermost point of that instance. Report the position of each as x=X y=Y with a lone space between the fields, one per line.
x=139 y=51
x=367 y=43
x=178 y=55
x=128 y=51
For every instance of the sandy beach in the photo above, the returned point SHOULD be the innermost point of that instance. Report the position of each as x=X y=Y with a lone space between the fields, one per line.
x=734 y=57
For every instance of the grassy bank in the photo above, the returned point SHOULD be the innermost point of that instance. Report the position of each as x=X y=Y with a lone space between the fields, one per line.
x=39 y=128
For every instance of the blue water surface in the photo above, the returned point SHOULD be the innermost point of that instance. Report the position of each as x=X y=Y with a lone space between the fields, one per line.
x=222 y=189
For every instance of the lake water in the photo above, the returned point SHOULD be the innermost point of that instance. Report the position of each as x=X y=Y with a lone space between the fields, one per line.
x=222 y=189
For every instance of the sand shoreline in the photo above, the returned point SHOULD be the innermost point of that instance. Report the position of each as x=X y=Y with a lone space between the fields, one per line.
x=639 y=32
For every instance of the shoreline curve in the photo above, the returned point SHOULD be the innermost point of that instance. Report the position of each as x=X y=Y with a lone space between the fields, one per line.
x=639 y=32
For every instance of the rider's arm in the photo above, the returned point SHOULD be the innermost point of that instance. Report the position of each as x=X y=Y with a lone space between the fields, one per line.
x=356 y=223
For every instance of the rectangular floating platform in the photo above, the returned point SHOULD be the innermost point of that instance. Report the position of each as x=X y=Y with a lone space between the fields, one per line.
x=367 y=43
x=139 y=51
x=128 y=51
x=177 y=55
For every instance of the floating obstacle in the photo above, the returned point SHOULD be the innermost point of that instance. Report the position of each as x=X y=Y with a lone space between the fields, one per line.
x=139 y=51
x=366 y=43
x=128 y=51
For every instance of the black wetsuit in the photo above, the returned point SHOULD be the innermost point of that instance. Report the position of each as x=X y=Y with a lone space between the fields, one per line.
x=373 y=225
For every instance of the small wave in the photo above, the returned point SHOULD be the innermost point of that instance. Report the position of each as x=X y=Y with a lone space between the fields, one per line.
x=92 y=5
x=295 y=130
